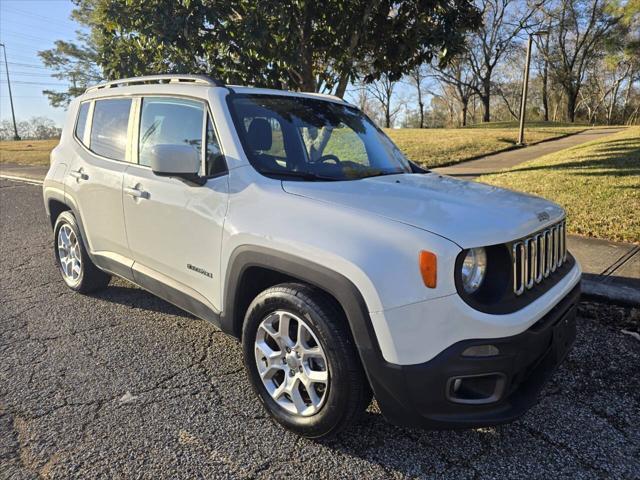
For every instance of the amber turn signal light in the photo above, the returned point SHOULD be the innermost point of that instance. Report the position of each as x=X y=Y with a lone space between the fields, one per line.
x=428 y=268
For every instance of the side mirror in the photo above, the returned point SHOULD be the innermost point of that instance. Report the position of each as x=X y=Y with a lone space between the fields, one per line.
x=177 y=160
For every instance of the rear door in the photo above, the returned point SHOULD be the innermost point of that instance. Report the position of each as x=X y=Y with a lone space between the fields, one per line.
x=94 y=179
x=174 y=228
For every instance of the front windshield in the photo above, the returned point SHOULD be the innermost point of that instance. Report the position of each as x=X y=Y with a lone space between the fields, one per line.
x=297 y=137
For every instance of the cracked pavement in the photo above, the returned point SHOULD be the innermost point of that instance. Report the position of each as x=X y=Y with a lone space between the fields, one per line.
x=121 y=384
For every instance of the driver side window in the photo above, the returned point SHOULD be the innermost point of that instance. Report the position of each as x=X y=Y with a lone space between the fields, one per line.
x=166 y=120
x=169 y=121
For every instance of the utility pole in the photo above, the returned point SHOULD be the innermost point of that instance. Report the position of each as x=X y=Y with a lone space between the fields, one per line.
x=13 y=115
x=525 y=85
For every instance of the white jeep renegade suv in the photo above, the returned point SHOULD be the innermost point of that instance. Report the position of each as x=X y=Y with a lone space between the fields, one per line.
x=290 y=221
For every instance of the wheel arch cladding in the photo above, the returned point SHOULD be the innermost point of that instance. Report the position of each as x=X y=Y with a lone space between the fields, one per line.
x=56 y=207
x=253 y=269
x=246 y=260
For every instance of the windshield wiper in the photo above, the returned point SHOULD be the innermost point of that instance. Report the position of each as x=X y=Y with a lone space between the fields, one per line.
x=380 y=174
x=302 y=175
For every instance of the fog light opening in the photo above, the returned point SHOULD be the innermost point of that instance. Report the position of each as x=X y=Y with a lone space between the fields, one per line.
x=476 y=389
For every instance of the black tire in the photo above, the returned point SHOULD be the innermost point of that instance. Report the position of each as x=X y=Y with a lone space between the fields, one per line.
x=91 y=278
x=348 y=392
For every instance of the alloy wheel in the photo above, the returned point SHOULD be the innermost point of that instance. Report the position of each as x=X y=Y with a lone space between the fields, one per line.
x=69 y=255
x=291 y=363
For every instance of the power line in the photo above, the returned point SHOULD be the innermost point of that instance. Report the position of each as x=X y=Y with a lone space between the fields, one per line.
x=22 y=82
x=28 y=74
x=25 y=26
x=26 y=36
x=24 y=57
x=25 y=96
x=28 y=65
x=13 y=42
x=35 y=16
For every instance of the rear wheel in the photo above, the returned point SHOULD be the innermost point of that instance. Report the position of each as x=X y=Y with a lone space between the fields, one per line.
x=302 y=362
x=76 y=268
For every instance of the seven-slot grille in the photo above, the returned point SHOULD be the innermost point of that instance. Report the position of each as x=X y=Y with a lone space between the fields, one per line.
x=538 y=256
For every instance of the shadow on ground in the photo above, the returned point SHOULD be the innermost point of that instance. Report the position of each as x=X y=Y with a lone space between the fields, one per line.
x=614 y=157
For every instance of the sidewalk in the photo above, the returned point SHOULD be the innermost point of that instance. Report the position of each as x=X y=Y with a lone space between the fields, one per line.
x=499 y=161
x=611 y=269
x=29 y=172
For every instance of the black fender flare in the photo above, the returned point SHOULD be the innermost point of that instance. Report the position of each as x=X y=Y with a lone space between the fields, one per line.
x=75 y=213
x=386 y=379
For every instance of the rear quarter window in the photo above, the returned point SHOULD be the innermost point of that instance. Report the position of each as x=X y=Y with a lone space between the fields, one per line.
x=81 y=122
x=109 y=127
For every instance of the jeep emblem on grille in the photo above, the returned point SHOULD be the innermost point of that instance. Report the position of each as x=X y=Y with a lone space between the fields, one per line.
x=543 y=216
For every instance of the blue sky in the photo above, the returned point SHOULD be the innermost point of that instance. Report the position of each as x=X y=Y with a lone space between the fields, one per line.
x=27 y=26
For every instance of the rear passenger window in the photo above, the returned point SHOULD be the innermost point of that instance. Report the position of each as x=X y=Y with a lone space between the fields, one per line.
x=81 y=124
x=169 y=121
x=109 y=128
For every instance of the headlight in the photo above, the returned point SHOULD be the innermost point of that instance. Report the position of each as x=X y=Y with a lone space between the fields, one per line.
x=474 y=268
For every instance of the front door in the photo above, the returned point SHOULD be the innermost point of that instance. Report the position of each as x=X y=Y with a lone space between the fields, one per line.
x=174 y=228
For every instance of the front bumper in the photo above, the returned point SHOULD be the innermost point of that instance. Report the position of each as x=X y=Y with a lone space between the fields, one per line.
x=502 y=387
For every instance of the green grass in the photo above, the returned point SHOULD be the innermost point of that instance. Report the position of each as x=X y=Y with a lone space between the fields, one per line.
x=598 y=183
x=27 y=152
x=530 y=124
x=438 y=147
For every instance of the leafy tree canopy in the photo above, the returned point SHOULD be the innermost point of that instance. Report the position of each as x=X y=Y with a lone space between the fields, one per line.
x=293 y=44
x=75 y=62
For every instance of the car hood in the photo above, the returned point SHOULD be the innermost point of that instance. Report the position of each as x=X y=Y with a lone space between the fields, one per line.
x=470 y=214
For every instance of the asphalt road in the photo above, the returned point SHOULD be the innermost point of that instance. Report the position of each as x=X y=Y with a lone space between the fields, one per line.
x=123 y=385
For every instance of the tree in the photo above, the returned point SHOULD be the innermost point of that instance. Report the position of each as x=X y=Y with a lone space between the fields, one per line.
x=72 y=61
x=361 y=97
x=382 y=91
x=36 y=128
x=303 y=45
x=417 y=77
x=578 y=29
x=542 y=61
x=462 y=82
x=443 y=107
x=507 y=85
x=504 y=21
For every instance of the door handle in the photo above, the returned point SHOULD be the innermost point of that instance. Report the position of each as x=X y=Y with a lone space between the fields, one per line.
x=79 y=175
x=136 y=192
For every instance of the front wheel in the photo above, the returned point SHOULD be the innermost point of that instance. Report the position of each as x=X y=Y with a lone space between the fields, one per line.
x=301 y=361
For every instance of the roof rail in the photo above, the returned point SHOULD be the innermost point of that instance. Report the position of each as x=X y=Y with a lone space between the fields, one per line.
x=168 y=78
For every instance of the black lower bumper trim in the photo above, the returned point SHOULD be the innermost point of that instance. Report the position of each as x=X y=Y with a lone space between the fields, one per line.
x=420 y=395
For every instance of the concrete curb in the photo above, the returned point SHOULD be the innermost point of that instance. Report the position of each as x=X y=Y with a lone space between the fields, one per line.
x=619 y=294
x=25 y=179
